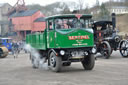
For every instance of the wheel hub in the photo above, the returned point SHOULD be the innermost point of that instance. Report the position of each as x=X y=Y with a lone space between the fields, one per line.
x=124 y=48
x=52 y=61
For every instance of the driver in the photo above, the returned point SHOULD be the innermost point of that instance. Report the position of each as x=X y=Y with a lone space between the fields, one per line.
x=70 y=24
x=57 y=24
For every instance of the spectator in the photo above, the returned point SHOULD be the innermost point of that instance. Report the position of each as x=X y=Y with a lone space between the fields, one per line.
x=15 y=48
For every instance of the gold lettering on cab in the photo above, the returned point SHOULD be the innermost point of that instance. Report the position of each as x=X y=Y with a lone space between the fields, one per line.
x=78 y=37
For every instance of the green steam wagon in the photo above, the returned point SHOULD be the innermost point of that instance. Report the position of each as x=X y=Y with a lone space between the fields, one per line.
x=67 y=38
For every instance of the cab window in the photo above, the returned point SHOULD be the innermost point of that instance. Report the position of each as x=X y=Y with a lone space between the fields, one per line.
x=71 y=23
x=50 y=25
x=9 y=40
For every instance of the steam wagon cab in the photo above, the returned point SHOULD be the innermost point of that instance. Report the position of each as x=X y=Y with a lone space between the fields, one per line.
x=67 y=38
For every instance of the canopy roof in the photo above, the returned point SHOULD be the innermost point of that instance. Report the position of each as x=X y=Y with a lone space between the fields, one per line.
x=101 y=23
x=61 y=16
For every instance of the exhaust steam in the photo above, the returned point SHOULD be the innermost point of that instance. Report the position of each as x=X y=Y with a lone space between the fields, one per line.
x=35 y=54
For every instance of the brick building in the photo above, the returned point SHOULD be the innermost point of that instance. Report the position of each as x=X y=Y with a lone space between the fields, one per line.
x=4 y=23
x=24 y=22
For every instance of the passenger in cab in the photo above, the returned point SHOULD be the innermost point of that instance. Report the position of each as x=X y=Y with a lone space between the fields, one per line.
x=57 y=24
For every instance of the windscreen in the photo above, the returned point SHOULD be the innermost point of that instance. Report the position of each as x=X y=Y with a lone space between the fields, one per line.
x=9 y=40
x=72 y=23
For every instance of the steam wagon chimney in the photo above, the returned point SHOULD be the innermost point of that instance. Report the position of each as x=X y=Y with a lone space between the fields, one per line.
x=114 y=20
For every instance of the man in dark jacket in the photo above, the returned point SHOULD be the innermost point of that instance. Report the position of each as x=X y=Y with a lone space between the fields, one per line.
x=15 y=49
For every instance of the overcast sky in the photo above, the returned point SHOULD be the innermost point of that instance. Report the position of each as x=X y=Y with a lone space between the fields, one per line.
x=45 y=2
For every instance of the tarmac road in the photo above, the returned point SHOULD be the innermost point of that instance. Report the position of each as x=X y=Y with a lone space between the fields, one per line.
x=113 y=71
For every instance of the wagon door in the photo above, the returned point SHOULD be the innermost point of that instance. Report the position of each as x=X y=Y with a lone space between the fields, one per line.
x=50 y=35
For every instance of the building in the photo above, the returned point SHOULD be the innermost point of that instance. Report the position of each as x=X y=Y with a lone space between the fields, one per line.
x=23 y=22
x=39 y=25
x=4 y=23
x=112 y=7
x=95 y=10
x=118 y=9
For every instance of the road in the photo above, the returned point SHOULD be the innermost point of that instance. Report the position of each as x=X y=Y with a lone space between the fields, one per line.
x=113 y=71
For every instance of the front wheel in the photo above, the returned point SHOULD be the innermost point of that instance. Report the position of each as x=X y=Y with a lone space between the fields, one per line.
x=3 y=52
x=105 y=50
x=55 y=62
x=88 y=62
x=124 y=48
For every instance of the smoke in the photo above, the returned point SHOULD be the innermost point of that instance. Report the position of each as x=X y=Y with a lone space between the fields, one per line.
x=35 y=54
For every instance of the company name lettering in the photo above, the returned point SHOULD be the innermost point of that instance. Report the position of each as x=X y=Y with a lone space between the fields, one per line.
x=78 y=37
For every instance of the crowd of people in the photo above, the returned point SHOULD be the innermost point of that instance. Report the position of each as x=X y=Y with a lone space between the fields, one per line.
x=17 y=46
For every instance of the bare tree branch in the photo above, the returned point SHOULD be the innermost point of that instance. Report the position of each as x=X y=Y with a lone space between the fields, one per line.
x=81 y=4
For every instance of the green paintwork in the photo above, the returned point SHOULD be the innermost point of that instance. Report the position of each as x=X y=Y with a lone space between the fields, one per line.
x=50 y=39
x=37 y=41
x=60 y=38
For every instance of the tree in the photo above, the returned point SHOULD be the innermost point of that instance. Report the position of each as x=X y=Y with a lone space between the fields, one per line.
x=80 y=4
x=104 y=13
x=86 y=11
x=65 y=9
x=34 y=6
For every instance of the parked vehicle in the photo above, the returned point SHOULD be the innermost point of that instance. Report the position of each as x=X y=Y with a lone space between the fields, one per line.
x=66 y=39
x=7 y=42
x=5 y=46
x=107 y=39
x=3 y=51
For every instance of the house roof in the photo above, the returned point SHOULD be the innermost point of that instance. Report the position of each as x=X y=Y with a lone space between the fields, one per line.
x=2 y=4
x=118 y=7
x=41 y=19
x=24 y=13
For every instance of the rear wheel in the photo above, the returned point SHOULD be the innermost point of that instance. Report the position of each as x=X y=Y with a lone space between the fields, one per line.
x=105 y=50
x=35 y=61
x=88 y=62
x=124 y=49
x=55 y=62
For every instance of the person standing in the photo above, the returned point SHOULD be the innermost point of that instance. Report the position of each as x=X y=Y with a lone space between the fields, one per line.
x=15 y=48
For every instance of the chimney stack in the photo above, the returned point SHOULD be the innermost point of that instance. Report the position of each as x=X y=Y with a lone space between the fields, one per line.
x=114 y=20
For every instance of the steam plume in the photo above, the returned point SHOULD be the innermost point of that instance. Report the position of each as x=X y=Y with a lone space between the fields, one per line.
x=42 y=61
